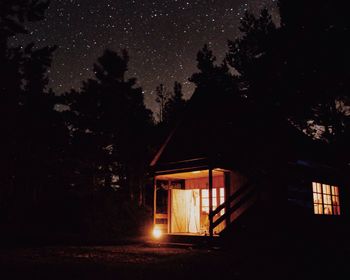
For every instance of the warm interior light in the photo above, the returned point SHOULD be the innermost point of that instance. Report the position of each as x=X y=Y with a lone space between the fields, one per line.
x=195 y=172
x=157 y=233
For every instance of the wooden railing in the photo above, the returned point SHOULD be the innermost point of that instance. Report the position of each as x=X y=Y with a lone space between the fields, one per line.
x=238 y=200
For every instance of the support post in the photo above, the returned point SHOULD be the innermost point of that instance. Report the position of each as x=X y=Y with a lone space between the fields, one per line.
x=210 y=202
x=169 y=207
x=228 y=183
x=155 y=201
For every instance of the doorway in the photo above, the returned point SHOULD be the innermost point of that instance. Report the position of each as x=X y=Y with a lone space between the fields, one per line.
x=185 y=211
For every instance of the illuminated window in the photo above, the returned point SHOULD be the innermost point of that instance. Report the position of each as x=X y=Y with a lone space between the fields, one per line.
x=217 y=200
x=326 y=199
x=222 y=199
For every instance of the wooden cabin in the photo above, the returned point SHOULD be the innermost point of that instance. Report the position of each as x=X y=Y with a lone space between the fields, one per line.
x=228 y=165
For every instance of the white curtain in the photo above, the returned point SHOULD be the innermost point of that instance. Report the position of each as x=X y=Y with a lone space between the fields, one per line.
x=185 y=211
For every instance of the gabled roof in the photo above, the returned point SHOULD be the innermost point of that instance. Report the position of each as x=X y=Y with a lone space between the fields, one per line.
x=227 y=131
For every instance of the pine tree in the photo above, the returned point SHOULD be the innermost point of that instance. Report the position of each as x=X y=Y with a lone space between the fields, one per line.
x=33 y=134
x=297 y=70
x=110 y=127
x=213 y=80
x=175 y=106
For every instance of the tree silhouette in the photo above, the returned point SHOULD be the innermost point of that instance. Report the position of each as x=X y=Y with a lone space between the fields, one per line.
x=13 y=16
x=246 y=53
x=213 y=80
x=34 y=136
x=110 y=125
x=297 y=70
x=162 y=96
x=174 y=106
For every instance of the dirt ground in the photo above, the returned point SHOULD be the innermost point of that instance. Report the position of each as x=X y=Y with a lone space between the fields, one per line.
x=154 y=261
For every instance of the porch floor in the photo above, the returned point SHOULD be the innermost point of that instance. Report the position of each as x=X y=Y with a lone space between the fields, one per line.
x=187 y=240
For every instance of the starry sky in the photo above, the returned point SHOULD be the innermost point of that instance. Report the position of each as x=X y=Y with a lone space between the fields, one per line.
x=161 y=36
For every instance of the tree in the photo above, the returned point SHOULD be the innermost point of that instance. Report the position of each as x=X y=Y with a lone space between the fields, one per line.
x=110 y=124
x=34 y=137
x=297 y=70
x=162 y=96
x=13 y=16
x=247 y=56
x=213 y=80
x=174 y=106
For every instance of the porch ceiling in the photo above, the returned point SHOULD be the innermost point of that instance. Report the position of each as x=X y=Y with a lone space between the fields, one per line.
x=190 y=175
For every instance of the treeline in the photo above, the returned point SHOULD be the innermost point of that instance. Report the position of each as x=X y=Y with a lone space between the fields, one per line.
x=295 y=70
x=76 y=164
x=73 y=165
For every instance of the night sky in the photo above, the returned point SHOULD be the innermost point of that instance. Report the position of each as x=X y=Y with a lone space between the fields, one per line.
x=161 y=36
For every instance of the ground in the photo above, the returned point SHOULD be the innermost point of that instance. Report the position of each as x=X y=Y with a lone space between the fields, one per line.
x=144 y=260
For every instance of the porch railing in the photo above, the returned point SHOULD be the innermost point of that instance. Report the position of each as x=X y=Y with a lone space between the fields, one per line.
x=242 y=199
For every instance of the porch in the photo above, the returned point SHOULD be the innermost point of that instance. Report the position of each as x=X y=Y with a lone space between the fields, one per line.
x=198 y=203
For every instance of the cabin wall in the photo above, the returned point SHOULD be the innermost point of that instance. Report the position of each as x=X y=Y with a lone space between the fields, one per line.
x=237 y=181
x=200 y=183
x=300 y=216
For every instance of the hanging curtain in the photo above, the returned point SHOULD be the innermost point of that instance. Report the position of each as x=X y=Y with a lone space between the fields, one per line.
x=194 y=213
x=185 y=211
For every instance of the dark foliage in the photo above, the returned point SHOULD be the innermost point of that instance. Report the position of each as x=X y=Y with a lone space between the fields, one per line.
x=109 y=125
x=213 y=80
x=298 y=70
x=34 y=137
x=174 y=107
x=60 y=170
x=81 y=172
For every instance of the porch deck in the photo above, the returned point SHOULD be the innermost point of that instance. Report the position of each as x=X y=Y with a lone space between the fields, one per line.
x=187 y=240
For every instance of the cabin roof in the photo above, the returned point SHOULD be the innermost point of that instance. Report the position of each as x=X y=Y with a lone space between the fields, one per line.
x=225 y=131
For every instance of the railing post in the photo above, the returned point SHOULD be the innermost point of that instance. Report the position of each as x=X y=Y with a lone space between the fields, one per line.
x=210 y=202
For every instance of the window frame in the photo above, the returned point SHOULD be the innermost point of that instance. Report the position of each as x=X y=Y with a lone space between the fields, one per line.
x=218 y=195
x=326 y=199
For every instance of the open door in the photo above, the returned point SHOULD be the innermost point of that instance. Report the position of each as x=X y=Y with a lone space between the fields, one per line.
x=185 y=211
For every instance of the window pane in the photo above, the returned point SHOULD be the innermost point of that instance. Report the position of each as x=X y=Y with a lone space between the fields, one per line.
x=205 y=202
x=314 y=188
x=328 y=209
x=205 y=193
x=335 y=190
x=222 y=192
x=335 y=200
x=326 y=189
x=318 y=185
x=214 y=193
x=316 y=210
x=320 y=209
x=327 y=199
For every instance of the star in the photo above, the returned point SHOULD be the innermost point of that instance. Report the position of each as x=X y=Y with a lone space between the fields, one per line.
x=161 y=36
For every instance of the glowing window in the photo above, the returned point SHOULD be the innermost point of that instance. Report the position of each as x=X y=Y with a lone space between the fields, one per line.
x=326 y=199
x=217 y=200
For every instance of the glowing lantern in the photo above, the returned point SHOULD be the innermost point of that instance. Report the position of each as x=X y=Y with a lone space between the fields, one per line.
x=157 y=233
